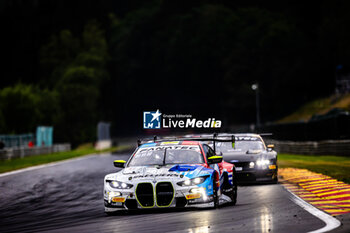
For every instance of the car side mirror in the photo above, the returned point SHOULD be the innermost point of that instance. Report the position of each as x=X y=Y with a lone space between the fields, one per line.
x=119 y=163
x=215 y=159
x=270 y=147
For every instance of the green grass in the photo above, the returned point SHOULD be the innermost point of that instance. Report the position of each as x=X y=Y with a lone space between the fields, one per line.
x=319 y=106
x=337 y=167
x=14 y=164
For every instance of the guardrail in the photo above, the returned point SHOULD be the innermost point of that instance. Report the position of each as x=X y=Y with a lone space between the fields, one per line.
x=329 y=147
x=20 y=152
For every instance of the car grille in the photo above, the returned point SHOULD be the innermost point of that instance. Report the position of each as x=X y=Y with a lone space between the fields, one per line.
x=144 y=194
x=165 y=193
x=242 y=164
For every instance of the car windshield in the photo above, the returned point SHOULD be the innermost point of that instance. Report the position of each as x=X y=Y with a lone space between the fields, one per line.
x=240 y=146
x=173 y=155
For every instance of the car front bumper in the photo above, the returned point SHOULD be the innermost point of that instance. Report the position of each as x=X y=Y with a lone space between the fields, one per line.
x=256 y=175
x=189 y=196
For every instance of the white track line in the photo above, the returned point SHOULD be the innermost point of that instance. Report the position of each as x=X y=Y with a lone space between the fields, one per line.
x=331 y=222
x=44 y=165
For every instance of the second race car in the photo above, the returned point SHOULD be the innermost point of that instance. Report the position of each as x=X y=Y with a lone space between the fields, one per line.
x=253 y=160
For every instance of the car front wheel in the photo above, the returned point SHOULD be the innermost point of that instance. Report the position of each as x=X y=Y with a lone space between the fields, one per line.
x=215 y=195
x=233 y=195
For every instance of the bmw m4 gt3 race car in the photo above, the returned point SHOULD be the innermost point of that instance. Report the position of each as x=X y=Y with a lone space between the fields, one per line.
x=254 y=162
x=164 y=174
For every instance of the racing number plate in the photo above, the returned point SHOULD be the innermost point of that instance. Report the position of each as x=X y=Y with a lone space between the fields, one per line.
x=118 y=199
x=239 y=168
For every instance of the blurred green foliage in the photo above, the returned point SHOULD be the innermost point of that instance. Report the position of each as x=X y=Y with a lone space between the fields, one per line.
x=68 y=70
x=75 y=69
x=23 y=107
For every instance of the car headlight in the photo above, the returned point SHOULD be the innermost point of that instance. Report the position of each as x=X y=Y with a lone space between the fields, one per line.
x=119 y=185
x=194 y=181
x=262 y=162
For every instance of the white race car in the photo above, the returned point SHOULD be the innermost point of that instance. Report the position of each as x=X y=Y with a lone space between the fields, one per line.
x=165 y=174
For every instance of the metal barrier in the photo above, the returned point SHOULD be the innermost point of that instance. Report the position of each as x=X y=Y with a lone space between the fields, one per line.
x=329 y=147
x=20 y=152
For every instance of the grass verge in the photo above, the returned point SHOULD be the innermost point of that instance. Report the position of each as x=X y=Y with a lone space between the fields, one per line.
x=337 y=167
x=14 y=164
x=319 y=106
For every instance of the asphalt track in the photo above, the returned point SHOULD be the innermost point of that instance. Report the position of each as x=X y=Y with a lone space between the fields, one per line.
x=67 y=197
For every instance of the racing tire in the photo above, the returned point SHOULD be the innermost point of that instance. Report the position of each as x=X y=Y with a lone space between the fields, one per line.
x=215 y=196
x=275 y=180
x=233 y=194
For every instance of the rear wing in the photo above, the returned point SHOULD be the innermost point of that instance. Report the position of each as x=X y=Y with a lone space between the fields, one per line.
x=221 y=137
x=214 y=138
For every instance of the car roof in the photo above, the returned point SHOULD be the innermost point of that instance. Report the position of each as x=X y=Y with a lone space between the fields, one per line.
x=171 y=143
x=226 y=134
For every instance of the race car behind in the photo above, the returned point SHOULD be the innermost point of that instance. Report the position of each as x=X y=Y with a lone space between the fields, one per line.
x=253 y=160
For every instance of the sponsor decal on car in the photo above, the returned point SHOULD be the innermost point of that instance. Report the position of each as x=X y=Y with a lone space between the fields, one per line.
x=160 y=148
x=118 y=199
x=167 y=143
x=193 y=196
x=246 y=138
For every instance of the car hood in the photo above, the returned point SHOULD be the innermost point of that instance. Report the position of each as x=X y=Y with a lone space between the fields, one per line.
x=163 y=172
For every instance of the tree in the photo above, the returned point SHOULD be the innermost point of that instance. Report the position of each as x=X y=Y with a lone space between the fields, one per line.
x=77 y=68
x=24 y=107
